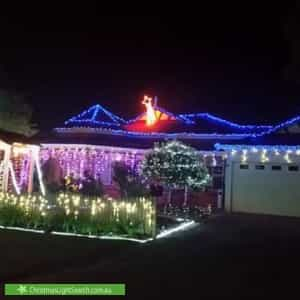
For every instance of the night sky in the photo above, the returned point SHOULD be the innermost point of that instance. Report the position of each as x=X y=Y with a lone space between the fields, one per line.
x=241 y=65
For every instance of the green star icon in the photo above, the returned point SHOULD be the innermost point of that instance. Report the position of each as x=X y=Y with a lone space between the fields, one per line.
x=22 y=289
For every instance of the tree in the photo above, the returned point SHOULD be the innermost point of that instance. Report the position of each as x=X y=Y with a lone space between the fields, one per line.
x=15 y=114
x=129 y=182
x=175 y=165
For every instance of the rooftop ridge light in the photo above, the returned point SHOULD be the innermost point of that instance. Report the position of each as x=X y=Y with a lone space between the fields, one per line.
x=220 y=120
x=127 y=133
x=95 y=109
x=281 y=125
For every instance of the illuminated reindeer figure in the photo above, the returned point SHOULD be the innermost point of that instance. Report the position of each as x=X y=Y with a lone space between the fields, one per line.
x=150 y=112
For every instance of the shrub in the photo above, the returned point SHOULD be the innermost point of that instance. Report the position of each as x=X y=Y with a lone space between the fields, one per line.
x=75 y=213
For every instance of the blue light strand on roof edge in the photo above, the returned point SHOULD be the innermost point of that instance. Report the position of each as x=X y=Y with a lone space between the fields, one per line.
x=280 y=126
x=95 y=113
x=111 y=115
x=220 y=120
x=85 y=112
x=115 y=119
x=227 y=147
x=89 y=121
x=155 y=134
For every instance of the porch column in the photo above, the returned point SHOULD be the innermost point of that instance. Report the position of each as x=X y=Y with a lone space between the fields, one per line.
x=7 y=153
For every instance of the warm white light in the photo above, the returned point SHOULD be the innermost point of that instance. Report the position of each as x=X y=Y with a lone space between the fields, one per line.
x=287 y=157
x=150 y=112
x=264 y=157
x=244 y=155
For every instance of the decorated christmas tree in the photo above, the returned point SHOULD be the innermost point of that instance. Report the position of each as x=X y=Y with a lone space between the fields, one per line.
x=176 y=166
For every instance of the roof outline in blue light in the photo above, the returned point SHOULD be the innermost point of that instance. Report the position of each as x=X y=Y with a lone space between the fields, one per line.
x=95 y=110
x=214 y=118
x=280 y=126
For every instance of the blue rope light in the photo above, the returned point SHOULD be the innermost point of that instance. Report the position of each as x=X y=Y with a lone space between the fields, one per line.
x=227 y=147
x=282 y=125
x=95 y=113
x=96 y=109
x=90 y=121
x=158 y=134
x=223 y=121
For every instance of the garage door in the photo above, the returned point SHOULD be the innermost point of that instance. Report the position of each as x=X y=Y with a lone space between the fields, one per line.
x=266 y=188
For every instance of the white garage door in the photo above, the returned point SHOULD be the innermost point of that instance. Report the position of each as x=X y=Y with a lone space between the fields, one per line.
x=266 y=189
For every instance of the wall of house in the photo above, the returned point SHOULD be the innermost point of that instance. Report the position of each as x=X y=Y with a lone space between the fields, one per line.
x=100 y=159
x=263 y=186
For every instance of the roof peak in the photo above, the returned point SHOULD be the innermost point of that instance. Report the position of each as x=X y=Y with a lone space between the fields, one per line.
x=98 y=115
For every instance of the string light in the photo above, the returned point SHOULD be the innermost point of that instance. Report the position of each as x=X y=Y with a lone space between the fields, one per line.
x=264 y=157
x=281 y=126
x=151 y=135
x=138 y=212
x=14 y=180
x=207 y=116
x=93 y=116
x=287 y=156
x=276 y=149
x=240 y=147
x=244 y=155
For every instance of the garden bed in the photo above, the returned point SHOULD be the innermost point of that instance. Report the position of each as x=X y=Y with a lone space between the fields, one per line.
x=78 y=215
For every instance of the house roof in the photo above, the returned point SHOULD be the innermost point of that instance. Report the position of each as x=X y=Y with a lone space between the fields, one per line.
x=284 y=126
x=95 y=116
x=209 y=123
x=98 y=126
x=167 y=123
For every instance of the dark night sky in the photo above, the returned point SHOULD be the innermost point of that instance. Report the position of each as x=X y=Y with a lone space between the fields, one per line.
x=239 y=65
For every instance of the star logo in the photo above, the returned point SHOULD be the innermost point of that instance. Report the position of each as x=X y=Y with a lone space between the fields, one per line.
x=22 y=289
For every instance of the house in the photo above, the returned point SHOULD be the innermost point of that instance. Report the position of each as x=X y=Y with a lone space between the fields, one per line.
x=96 y=138
x=255 y=166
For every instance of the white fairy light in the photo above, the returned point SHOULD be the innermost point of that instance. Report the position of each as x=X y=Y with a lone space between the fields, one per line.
x=39 y=171
x=287 y=157
x=244 y=155
x=264 y=157
x=14 y=180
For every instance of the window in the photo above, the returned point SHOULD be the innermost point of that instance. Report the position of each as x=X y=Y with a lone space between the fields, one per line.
x=244 y=167
x=259 y=167
x=293 y=168
x=276 y=168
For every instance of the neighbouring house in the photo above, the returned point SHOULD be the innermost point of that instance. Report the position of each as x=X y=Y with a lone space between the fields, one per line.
x=19 y=163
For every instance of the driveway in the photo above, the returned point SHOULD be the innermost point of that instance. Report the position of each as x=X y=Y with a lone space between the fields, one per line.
x=227 y=257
